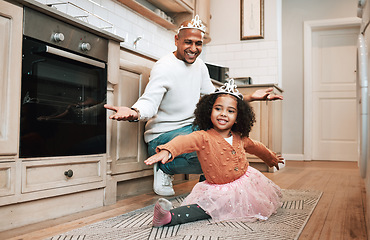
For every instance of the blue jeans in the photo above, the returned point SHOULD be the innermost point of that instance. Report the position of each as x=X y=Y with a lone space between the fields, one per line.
x=186 y=163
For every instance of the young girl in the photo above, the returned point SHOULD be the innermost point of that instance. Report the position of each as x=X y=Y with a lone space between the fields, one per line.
x=233 y=190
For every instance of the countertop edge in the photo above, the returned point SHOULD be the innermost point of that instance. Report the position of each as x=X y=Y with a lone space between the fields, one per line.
x=139 y=53
x=262 y=85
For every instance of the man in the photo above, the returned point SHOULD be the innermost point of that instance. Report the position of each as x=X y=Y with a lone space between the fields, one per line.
x=176 y=83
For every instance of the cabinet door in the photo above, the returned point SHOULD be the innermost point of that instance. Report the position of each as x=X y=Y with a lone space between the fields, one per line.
x=190 y=3
x=10 y=76
x=274 y=126
x=267 y=128
x=81 y=172
x=260 y=128
x=174 y=6
x=128 y=149
x=202 y=8
x=7 y=178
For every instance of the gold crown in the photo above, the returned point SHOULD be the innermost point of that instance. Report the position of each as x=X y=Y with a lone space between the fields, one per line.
x=230 y=88
x=195 y=23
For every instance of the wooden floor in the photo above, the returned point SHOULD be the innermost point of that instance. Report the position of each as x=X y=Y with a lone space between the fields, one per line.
x=340 y=213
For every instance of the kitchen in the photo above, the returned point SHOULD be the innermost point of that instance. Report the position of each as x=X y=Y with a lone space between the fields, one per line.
x=278 y=58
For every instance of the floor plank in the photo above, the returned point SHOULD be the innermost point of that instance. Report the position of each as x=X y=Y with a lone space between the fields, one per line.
x=340 y=213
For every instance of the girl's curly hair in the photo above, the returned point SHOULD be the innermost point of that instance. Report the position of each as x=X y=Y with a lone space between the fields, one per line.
x=244 y=121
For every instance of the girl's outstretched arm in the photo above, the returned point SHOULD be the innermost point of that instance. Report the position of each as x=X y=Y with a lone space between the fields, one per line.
x=162 y=156
x=177 y=146
x=260 y=150
x=279 y=159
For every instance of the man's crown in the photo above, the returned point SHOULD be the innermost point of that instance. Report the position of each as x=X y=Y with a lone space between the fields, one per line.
x=195 y=23
x=230 y=88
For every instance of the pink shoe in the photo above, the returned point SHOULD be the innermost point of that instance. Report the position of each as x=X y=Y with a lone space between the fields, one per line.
x=162 y=215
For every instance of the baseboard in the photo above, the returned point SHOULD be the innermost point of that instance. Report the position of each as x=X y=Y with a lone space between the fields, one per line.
x=294 y=157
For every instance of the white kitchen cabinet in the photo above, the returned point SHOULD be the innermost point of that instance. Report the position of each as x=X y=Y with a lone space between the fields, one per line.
x=190 y=3
x=174 y=6
x=7 y=178
x=126 y=147
x=10 y=75
x=268 y=126
x=178 y=10
x=202 y=8
x=48 y=174
x=27 y=180
x=37 y=189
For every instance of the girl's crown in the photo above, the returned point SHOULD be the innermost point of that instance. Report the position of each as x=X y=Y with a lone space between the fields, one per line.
x=230 y=88
x=195 y=23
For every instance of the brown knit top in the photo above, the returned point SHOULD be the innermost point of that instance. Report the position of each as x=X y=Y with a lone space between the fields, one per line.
x=221 y=163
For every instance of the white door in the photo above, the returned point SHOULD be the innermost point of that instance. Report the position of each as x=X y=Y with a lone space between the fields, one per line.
x=334 y=116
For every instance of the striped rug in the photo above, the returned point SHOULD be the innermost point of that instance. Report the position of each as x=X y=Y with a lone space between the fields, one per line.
x=287 y=223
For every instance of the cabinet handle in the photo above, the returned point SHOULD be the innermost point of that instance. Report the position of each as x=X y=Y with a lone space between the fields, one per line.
x=69 y=173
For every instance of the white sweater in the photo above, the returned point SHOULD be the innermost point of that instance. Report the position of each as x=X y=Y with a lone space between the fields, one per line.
x=171 y=95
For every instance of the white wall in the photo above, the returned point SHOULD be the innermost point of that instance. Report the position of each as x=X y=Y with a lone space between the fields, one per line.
x=258 y=58
x=294 y=13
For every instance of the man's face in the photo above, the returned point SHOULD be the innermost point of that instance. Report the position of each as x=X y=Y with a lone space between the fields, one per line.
x=189 y=44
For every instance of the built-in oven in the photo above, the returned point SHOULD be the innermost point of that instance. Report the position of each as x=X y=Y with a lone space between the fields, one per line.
x=64 y=82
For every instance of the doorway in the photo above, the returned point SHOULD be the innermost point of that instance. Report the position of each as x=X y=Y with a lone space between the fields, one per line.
x=330 y=90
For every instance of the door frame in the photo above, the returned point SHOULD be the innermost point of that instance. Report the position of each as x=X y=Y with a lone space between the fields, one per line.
x=309 y=28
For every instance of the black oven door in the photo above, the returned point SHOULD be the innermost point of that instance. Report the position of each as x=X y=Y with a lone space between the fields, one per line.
x=62 y=100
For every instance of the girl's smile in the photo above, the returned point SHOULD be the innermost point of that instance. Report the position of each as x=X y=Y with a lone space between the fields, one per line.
x=224 y=113
x=222 y=122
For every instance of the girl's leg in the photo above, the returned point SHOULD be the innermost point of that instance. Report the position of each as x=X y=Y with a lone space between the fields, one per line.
x=183 y=214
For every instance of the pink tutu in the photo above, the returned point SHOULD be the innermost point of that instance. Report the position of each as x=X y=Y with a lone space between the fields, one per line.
x=251 y=197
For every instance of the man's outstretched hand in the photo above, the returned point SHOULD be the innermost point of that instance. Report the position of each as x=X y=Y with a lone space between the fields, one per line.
x=122 y=113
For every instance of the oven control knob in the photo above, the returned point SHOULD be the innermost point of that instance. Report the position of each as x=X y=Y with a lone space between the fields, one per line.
x=58 y=37
x=85 y=46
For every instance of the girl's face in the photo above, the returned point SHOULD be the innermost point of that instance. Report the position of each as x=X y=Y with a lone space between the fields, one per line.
x=224 y=113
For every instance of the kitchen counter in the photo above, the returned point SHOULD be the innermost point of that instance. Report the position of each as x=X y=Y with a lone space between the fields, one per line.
x=67 y=18
x=266 y=85
x=138 y=53
x=259 y=86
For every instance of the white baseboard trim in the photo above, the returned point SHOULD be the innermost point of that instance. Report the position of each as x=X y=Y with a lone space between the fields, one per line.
x=294 y=157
